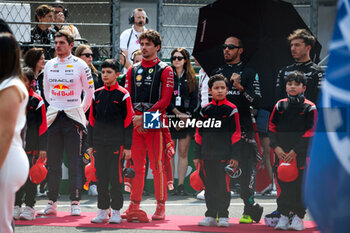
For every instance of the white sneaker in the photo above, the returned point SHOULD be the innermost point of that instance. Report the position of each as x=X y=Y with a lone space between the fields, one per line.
x=283 y=223
x=200 y=195
x=115 y=217
x=271 y=220
x=50 y=209
x=102 y=216
x=93 y=190
x=297 y=224
x=223 y=222
x=75 y=208
x=28 y=214
x=16 y=212
x=208 y=221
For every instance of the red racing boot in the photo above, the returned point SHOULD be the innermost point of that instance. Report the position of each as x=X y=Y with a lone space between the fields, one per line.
x=160 y=211
x=133 y=206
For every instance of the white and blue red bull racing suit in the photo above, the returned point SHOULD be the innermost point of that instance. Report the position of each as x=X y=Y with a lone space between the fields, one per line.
x=64 y=80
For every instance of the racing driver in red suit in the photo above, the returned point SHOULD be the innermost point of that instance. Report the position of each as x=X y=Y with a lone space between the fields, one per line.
x=150 y=84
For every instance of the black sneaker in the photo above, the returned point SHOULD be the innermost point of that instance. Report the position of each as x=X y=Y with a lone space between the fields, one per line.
x=255 y=212
x=181 y=190
x=173 y=192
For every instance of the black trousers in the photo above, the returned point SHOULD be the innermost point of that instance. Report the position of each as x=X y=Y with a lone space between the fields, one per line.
x=247 y=163
x=217 y=192
x=64 y=135
x=290 y=198
x=28 y=190
x=109 y=173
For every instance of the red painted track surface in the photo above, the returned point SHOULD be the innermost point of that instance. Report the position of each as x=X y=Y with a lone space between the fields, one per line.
x=171 y=223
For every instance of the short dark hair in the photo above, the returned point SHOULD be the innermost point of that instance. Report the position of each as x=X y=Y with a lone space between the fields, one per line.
x=42 y=10
x=111 y=63
x=29 y=73
x=69 y=37
x=296 y=76
x=10 y=63
x=32 y=56
x=138 y=9
x=303 y=34
x=153 y=36
x=4 y=27
x=215 y=78
x=240 y=43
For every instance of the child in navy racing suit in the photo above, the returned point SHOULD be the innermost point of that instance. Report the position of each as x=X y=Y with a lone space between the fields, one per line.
x=110 y=138
x=291 y=126
x=215 y=147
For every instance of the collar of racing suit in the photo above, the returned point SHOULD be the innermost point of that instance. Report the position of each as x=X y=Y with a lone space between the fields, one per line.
x=219 y=102
x=64 y=59
x=31 y=92
x=235 y=65
x=303 y=63
x=150 y=63
x=112 y=87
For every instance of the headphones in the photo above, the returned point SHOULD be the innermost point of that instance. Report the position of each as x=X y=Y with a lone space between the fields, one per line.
x=296 y=99
x=65 y=10
x=132 y=17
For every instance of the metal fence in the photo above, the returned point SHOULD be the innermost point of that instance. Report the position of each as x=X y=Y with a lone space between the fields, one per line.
x=178 y=20
x=178 y=24
x=92 y=18
x=98 y=21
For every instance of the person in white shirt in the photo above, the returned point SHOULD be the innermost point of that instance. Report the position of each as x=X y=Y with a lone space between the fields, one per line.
x=203 y=78
x=64 y=79
x=129 y=41
x=14 y=165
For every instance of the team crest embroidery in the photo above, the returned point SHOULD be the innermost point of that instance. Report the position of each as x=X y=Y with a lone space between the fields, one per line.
x=139 y=77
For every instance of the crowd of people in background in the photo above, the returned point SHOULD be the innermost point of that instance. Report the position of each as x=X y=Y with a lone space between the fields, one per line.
x=71 y=104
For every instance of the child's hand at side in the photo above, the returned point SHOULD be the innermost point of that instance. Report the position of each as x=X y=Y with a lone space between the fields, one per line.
x=42 y=154
x=290 y=156
x=280 y=153
x=234 y=163
x=196 y=162
x=127 y=154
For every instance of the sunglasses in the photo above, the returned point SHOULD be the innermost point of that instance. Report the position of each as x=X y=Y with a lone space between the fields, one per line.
x=87 y=54
x=230 y=46
x=179 y=58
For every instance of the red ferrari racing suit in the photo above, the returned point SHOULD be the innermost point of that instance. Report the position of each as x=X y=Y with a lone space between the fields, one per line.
x=150 y=84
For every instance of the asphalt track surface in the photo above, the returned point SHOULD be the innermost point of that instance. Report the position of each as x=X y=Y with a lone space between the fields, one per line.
x=184 y=205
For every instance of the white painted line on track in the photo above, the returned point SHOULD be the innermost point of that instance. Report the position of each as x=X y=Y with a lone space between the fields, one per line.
x=167 y=204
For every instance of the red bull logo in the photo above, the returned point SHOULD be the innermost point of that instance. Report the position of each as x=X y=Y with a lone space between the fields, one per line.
x=61 y=90
x=61 y=87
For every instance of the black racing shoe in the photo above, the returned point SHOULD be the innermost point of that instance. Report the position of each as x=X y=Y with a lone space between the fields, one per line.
x=256 y=212
x=181 y=190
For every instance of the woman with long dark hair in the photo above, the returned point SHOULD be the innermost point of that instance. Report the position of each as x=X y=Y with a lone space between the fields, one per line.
x=183 y=103
x=14 y=166
x=35 y=58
